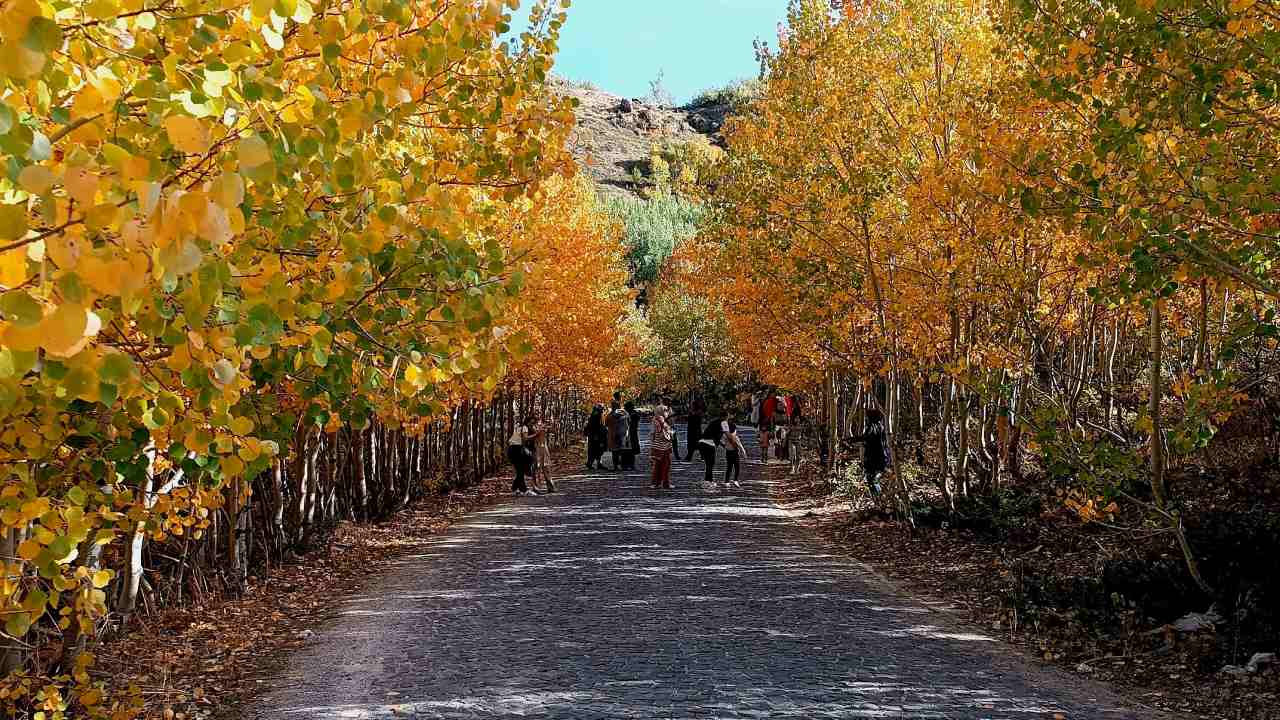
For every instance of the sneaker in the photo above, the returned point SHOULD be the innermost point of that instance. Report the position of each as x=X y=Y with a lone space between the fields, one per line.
x=737 y=484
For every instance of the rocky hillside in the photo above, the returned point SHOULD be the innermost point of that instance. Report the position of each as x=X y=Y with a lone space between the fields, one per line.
x=615 y=134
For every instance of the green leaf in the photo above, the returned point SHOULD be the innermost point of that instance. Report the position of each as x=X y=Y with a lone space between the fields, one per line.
x=13 y=221
x=43 y=35
x=77 y=496
x=21 y=308
x=18 y=624
x=116 y=368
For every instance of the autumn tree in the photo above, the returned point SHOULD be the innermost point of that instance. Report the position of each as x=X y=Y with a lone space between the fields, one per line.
x=259 y=261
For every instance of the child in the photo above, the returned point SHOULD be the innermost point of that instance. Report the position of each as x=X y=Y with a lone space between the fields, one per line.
x=734 y=451
x=660 y=448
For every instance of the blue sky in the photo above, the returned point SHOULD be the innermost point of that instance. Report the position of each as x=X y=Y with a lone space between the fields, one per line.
x=620 y=45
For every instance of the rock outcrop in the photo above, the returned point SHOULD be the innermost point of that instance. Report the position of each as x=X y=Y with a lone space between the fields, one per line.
x=615 y=134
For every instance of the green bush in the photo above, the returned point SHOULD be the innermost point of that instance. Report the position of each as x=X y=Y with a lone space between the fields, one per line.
x=653 y=228
x=735 y=94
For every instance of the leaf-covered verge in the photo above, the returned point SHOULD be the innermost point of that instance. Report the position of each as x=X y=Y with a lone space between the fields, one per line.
x=1097 y=600
x=200 y=660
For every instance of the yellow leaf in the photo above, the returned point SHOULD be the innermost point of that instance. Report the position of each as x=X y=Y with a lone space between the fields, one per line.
x=22 y=338
x=19 y=61
x=81 y=185
x=112 y=277
x=101 y=578
x=187 y=134
x=13 y=221
x=253 y=151
x=66 y=330
x=65 y=249
x=91 y=698
x=102 y=216
x=228 y=190
x=102 y=9
x=13 y=268
x=36 y=179
x=29 y=549
x=232 y=466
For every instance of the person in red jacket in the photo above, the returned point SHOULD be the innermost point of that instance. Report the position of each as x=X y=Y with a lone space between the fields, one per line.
x=768 y=408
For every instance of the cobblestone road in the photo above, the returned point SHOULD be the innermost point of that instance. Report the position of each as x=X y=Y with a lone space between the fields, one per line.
x=610 y=600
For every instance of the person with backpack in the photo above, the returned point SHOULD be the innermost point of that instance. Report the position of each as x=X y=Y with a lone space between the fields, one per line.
x=875 y=449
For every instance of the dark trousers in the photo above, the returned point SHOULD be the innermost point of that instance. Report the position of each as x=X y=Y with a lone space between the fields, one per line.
x=595 y=452
x=732 y=466
x=708 y=454
x=520 y=461
x=692 y=434
x=619 y=459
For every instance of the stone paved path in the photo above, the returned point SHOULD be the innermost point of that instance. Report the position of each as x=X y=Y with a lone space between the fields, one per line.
x=610 y=600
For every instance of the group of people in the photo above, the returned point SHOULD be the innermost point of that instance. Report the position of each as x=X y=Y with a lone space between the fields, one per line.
x=616 y=432
x=701 y=439
x=529 y=451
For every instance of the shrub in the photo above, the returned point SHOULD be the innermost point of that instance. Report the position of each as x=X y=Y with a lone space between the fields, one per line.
x=653 y=227
x=735 y=94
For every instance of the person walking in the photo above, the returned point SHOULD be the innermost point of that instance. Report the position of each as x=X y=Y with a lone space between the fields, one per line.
x=801 y=434
x=616 y=422
x=520 y=456
x=693 y=434
x=767 y=408
x=707 y=445
x=875 y=449
x=633 y=435
x=597 y=438
x=734 y=452
x=660 y=444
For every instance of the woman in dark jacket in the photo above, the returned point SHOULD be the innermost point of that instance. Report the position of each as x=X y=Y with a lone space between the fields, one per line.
x=694 y=432
x=633 y=435
x=875 y=450
x=707 y=444
x=597 y=438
